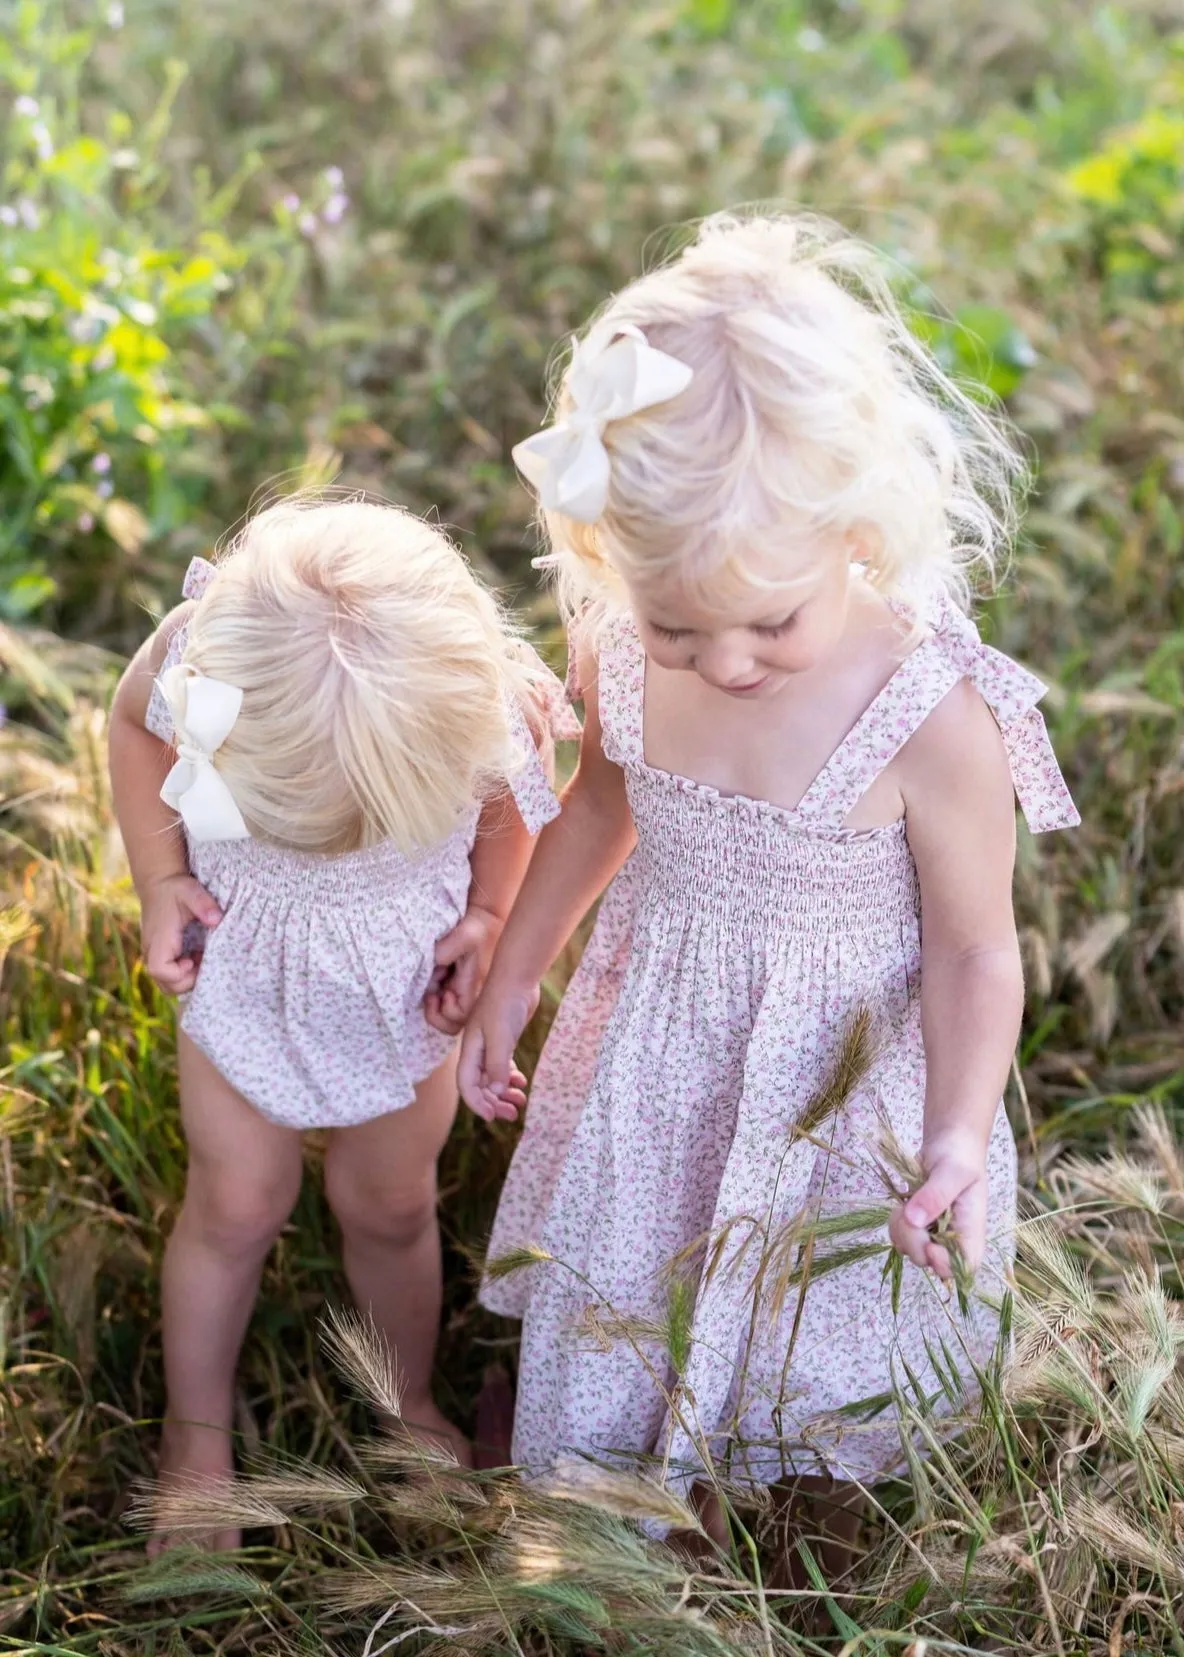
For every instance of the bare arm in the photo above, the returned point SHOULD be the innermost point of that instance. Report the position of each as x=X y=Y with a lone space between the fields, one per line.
x=139 y=762
x=960 y=814
x=501 y=853
x=500 y=857
x=576 y=857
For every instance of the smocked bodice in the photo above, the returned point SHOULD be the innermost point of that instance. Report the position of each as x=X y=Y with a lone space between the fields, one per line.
x=797 y=869
x=751 y=864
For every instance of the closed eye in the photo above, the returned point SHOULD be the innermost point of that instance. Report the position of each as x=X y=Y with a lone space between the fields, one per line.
x=773 y=630
x=671 y=633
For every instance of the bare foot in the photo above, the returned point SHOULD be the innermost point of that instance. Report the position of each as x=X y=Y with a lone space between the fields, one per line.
x=194 y=1460
x=495 y=1420
x=424 y=1421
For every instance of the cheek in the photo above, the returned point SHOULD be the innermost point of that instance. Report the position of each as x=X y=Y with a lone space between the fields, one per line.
x=800 y=650
x=668 y=653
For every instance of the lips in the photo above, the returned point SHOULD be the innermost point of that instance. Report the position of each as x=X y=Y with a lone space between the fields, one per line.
x=747 y=690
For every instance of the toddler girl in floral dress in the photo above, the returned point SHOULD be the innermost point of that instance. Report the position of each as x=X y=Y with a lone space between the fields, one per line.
x=764 y=502
x=347 y=734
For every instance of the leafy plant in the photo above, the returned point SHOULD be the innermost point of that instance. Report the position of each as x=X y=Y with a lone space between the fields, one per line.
x=1134 y=189
x=981 y=346
x=99 y=415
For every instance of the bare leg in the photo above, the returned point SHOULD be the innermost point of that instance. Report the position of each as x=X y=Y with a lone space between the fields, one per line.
x=699 y=1549
x=495 y=1419
x=380 y=1179
x=244 y=1177
x=826 y=1515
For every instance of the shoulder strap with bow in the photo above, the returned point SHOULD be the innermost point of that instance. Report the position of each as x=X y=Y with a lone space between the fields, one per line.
x=1013 y=695
x=952 y=651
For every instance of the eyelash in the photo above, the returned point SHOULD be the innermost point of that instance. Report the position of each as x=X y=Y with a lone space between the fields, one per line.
x=781 y=627
x=674 y=634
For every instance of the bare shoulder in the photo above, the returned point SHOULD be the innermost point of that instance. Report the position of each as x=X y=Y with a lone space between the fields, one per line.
x=958 y=750
x=135 y=687
x=172 y=624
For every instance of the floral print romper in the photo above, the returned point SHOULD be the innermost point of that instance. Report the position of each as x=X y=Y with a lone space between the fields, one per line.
x=309 y=997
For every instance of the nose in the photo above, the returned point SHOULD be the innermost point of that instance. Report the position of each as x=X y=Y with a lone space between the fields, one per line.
x=726 y=662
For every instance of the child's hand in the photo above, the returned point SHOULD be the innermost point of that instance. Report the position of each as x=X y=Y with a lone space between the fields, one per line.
x=489 y=1083
x=462 y=961
x=169 y=910
x=956 y=1181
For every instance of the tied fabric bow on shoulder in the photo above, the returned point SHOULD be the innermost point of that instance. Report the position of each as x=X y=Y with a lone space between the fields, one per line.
x=204 y=711
x=567 y=464
x=1013 y=696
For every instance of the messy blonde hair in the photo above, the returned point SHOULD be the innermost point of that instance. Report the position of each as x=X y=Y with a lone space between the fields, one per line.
x=378 y=677
x=813 y=411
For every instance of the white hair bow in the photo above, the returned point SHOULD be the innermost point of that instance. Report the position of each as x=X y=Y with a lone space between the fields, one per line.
x=567 y=464
x=204 y=711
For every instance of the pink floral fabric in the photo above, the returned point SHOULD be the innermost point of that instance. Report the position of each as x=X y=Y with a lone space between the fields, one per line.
x=728 y=960
x=309 y=996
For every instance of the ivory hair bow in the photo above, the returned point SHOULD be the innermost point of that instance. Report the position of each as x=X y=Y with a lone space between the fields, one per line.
x=204 y=711
x=567 y=464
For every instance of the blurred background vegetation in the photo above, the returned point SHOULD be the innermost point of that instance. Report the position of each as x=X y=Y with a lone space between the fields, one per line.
x=242 y=241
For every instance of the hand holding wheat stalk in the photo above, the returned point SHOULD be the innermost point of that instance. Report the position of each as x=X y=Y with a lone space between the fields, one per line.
x=941 y=1218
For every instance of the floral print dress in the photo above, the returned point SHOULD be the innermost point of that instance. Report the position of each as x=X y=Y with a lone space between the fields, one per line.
x=661 y=1170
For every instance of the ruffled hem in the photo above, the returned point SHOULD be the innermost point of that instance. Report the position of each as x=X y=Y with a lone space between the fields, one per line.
x=306 y=1118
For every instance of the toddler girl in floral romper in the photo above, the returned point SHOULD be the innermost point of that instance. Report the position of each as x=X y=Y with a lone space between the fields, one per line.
x=347 y=734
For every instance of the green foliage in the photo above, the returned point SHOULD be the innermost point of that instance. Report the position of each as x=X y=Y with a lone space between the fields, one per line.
x=981 y=346
x=101 y=425
x=1133 y=187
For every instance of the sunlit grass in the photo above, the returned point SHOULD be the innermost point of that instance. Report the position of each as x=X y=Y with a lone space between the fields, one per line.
x=507 y=165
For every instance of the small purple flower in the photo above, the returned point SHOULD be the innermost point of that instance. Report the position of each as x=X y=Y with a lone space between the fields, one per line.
x=28 y=107
x=307 y=224
x=101 y=464
x=106 y=489
x=30 y=213
x=334 y=177
x=291 y=202
x=43 y=141
x=335 y=208
x=86 y=523
x=9 y=215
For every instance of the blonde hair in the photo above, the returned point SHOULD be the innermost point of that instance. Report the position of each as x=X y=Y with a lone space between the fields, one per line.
x=378 y=677
x=813 y=410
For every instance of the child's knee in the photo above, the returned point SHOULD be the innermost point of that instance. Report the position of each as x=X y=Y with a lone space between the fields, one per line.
x=239 y=1215
x=394 y=1212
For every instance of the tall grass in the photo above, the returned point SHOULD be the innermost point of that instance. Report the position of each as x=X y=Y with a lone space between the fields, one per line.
x=1053 y=1521
x=506 y=165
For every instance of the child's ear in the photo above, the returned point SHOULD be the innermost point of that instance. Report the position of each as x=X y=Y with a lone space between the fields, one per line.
x=861 y=542
x=864 y=544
